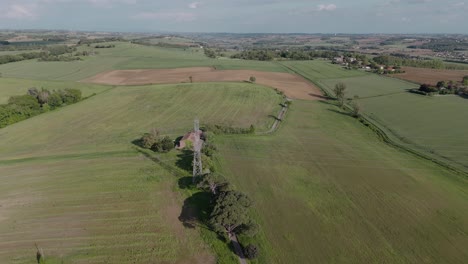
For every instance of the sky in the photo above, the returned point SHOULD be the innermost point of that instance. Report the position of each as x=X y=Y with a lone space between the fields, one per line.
x=239 y=16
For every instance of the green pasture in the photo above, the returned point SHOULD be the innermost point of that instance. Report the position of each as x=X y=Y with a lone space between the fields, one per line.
x=10 y=87
x=320 y=69
x=327 y=190
x=126 y=56
x=431 y=125
x=73 y=182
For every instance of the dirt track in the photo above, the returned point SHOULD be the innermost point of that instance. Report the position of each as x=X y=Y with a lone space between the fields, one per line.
x=293 y=86
x=430 y=76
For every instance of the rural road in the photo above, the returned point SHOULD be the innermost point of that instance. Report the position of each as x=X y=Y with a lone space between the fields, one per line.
x=279 y=118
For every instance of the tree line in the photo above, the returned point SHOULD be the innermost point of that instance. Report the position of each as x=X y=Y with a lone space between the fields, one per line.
x=35 y=102
x=50 y=53
x=444 y=87
x=290 y=54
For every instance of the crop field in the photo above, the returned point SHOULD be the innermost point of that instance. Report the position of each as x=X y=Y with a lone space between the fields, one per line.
x=73 y=182
x=126 y=56
x=10 y=87
x=292 y=85
x=439 y=133
x=431 y=76
x=327 y=190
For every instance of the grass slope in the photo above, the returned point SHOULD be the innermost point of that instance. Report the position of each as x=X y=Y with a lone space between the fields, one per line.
x=327 y=190
x=72 y=181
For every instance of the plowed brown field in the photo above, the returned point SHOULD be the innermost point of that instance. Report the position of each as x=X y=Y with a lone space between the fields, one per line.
x=430 y=76
x=292 y=85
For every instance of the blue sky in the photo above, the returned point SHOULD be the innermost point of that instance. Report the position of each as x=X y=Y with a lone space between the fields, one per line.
x=308 y=16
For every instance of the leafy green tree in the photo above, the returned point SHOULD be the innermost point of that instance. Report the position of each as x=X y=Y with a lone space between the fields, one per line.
x=24 y=103
x=43 y=96
x=148 y=140
x=71 y=96
x=55 y=100
x=339 y=90
x=212 y=182
x=441 y=84
x=355 y=109
x=465 y=80
x=251 y=251
x=167 y=144
x=230 y=213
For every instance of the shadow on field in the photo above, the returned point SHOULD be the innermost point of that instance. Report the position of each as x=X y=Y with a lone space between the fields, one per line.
x=339 y=112
x=185 y=158
x=196 y=210
x=274 y=117
x=320 y=96
x=328 y=102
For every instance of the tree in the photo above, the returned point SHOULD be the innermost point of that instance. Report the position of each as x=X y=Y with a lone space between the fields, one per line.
x=465 y=80
x=339 y=91
x=71 y=96
x=33 y=92
x=251 y=251
x=43 y=96
x=252 y=79
x=212 y=182
x=191 y=79
x=167 y=144
x=355 y=109
x=230 y=213
x=55 y=100
x=148 y=139
x=441 y=84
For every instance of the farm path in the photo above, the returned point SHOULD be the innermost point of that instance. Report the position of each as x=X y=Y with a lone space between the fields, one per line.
x=237 y=248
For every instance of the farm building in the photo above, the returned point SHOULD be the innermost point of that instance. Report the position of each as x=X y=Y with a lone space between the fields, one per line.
x=189 y=137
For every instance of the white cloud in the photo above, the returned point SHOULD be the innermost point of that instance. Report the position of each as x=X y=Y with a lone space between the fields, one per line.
x=167 y=16
x=194 y=5
x=17 y=11
x=329 y=7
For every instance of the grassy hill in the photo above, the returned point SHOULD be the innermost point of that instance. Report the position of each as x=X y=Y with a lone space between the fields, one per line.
x=73 y=182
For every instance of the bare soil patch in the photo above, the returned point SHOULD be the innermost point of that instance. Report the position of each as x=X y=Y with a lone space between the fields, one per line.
x=431 y=76
x=292 y=85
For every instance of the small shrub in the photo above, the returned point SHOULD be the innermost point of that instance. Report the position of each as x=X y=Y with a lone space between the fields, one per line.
x=251 y=251
x=252 y=79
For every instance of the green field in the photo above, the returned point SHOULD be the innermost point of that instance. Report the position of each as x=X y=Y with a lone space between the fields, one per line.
x=327 y=190
x=319 y=69
x=431 y=125
x=73 y=182
x=126 y=56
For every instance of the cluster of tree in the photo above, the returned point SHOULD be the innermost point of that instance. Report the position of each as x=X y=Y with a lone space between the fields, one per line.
x=156 y=142
x=443 y=44
x=210 y=53
x=20 y=57
x=104 y=46
x=260 y=55
x=34 y=103
x=443 y=87
x=340 y=94
x=288 y=54
x=411 y=62
x=220 y=129
x=99 y=40
x=49 y=53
